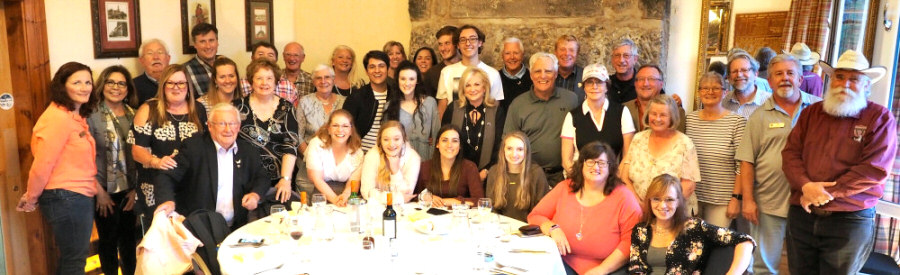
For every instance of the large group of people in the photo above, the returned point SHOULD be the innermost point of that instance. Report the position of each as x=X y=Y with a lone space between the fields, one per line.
x=609 y=166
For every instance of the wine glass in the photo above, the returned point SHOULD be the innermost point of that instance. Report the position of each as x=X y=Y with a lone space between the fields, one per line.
x=276 y=209
x=318 y=200
x=276 y=212
x=295 y=228
x=425 y=199
x=484 y=206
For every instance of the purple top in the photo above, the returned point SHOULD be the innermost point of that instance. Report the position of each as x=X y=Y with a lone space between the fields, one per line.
x=856 y=152
x=811 y=83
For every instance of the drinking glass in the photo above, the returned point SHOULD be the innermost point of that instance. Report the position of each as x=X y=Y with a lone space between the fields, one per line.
x=484 y=206
x=277 y=213
x=295 y=228
x=324 y=223
x=318 y=200
x=425 y=199
x=276 y=209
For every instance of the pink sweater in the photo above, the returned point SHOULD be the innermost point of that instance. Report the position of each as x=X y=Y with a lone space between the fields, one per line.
x=606 y=226
x=64 y=151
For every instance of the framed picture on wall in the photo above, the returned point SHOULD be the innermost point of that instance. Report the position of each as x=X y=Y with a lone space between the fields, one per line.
x=260 y=26
x=194 y=12
x=116 y=28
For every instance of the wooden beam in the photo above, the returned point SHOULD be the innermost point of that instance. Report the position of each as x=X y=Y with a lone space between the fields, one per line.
x=27 y=238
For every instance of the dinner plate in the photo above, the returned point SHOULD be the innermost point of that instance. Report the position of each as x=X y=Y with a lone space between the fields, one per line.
x=432 y=226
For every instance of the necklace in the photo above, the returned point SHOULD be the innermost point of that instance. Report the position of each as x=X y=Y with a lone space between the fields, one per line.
x=175 y=118
x=659 y=231
x=474 y=114
x=578 y=235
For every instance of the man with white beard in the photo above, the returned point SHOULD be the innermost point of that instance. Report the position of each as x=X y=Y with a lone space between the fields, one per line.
x=837 y=159
x=764 y=187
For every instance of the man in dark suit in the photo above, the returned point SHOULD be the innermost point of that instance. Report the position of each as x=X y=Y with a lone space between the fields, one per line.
x=154 y=59
x=215 y=171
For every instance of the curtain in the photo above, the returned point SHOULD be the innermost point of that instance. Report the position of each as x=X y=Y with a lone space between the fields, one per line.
x=887 y=230
x=809 y=21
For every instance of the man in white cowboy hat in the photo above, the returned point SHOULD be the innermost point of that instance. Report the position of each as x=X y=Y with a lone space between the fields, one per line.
x=811 y=83
x=836 y=160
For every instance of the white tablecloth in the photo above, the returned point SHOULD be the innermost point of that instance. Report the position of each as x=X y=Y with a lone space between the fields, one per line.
x=417 y=253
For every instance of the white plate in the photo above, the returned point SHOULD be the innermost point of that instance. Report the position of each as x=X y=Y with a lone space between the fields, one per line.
x=432 y=226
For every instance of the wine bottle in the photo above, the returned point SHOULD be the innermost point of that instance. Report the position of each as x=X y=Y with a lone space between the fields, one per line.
x=389 y=219
x=303 y=201
x=354 y=189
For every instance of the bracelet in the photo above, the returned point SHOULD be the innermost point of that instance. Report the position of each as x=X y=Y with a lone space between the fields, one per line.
x=552 y=227
x=737 y=196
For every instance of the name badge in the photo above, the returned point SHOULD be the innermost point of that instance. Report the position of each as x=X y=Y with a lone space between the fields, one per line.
x=776 y=125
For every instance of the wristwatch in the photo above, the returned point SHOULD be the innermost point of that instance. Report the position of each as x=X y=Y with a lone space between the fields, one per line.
x=553 y=227
x=738 y=196
x=287 y=178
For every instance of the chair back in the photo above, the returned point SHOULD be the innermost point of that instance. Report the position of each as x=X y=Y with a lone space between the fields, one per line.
x=210 y=227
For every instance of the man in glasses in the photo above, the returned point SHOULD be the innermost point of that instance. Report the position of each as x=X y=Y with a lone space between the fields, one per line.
x=648 y=83
x=621 y=83
x=469 y=39
x=746 y=96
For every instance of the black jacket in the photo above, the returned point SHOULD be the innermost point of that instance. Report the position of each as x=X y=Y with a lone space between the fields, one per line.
x=363 y=106
x=193 y=184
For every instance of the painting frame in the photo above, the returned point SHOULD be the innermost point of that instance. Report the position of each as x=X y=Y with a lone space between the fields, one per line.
x=117 y=33
x=259 y=22
x=205 y=9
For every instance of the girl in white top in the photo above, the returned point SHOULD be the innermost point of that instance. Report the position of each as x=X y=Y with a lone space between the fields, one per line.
x=393 y=166
x=334 y=157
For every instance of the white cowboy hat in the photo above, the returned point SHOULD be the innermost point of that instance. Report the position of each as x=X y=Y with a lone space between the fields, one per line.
x=803 y=54
x=853 y=60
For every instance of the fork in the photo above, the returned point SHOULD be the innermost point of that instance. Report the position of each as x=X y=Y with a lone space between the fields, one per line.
x=499 y=265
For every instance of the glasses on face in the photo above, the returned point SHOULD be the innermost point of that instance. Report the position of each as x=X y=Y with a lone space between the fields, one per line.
x=709 y=90
x=668 y=201
x=340 y=126
x=159 y=52
x=470 y=40
x=648 y=79
x=740 y=71
x=623 y=55
x=173 y=85
x=592 y=163
x=592 y=82
x=221 y=124
x=115 y=85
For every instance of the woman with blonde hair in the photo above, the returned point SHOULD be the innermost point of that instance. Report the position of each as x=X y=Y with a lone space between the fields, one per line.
x=223 y=88
x=515 y=184
x=397 y=54
x=479 y=117
x=392 y=166
x=160 y=125
x=669 y=241
x=343 y=61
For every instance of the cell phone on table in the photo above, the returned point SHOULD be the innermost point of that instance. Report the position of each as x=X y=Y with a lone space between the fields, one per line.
x=436 y=211
x=249 y=241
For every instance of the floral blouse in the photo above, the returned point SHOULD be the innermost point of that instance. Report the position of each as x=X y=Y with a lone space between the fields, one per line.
x=680 y=162
x=311 y=114
x=275 y=137
x=686 y=254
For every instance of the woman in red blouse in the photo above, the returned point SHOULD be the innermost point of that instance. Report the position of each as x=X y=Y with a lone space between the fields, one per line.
x=61 y=180
x=451 y=178
x=591 y=214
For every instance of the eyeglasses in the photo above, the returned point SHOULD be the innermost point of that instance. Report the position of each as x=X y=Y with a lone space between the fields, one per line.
x=222 y=124
x=592 y=163
x=592 y=82
x=649 y=79
x=160 y=52
x=668 y=201
x=116 y=85
x=470 y=40
x=623 y=55
x=173 y=85
x=709 y=90
x=741 y=71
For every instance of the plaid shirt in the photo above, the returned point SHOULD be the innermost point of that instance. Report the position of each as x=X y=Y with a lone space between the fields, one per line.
x=199 y=75
x=283 y=89
x=304 y=84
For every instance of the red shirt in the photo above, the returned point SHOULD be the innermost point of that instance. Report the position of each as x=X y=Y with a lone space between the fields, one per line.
x=605 y=227
x=64 y=154
x=856 y=152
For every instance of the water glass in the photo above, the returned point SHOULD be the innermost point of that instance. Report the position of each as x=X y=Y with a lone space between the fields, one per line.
x=324 y=223
x=276 y=209
x=484 y=206
x=318 y=200
x=425 y=199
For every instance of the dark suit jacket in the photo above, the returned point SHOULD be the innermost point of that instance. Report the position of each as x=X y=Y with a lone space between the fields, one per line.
x=194 y=183
x=145 y=87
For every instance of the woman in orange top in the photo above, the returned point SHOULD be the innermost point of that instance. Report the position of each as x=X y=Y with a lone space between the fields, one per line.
x=61 y=180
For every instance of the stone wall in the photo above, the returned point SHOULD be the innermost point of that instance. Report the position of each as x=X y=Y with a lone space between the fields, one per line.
x=598 y=25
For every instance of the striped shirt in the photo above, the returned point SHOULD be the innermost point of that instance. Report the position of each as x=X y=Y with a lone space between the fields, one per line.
x=731 y=102
x=369 y=141
x=716 y=142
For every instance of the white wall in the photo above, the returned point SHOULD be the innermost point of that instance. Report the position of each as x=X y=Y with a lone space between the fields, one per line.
x=70 y=38
x=362 y=25
x=684 y=38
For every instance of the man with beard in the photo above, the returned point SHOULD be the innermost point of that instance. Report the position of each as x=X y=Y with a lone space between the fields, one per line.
x=746 y=96
x=837 y=159
x=764 y=187
x=154 y=58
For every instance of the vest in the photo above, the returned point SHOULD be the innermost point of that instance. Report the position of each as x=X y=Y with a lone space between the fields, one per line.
x=586 y=132
x=488 y=133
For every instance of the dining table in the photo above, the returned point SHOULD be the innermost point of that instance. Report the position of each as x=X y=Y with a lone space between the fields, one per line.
x=456 y=242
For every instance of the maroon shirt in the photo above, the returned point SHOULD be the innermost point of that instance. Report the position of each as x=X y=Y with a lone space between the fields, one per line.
x=856 y=152
x=811 y=83
x=469 y=187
